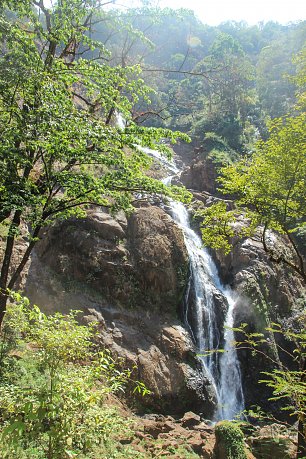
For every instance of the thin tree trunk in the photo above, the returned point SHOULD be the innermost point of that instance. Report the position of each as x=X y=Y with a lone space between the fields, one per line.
x=3 y=301
x=7 y=262
x=25 y=258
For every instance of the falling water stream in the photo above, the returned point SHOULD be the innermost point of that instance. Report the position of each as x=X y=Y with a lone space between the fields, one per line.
x=206 y=296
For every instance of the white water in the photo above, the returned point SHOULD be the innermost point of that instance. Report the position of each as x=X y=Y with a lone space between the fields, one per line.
x=163 y=160
x=120 y=121
x=222 y=369
x=208 y=294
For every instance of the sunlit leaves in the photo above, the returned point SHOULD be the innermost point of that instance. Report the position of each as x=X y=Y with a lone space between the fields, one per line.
x=273 y=181
x=217 y=224
x=52 y=397
x=269 y=188
x=60 y=146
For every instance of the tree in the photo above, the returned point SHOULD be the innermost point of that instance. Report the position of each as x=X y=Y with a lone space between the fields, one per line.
x=60 y=147
x=226 y=100
x=276 y=91
x=270 y=189
x=288 y=378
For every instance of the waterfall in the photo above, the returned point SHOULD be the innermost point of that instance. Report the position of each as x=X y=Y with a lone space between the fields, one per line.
x=120 y=121
x=206 y=295
x=222 y=369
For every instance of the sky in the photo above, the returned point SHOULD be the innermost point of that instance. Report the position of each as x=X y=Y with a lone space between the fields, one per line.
x=213 y=12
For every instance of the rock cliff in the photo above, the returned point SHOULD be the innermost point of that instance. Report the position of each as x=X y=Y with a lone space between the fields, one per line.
x=140 y=262
x=130 y=275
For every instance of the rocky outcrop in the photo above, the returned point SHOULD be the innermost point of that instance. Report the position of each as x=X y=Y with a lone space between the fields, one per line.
x=156 y=435
x=162 y=355
x=270 y=441
x=273 y=442
x=129 y=274
x=201 y=175
x=264 y=283
x=173 y=433
x=266 y=292
x=140 y=262
x=158 y=251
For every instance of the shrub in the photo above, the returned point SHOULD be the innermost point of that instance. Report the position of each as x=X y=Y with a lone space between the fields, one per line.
x=53 y=385
x=230 y=437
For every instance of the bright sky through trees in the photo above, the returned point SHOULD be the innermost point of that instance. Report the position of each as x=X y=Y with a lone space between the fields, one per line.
x=253 y=11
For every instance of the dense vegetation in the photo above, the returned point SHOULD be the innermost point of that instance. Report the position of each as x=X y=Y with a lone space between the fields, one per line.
x=82 y=89
x=55 y=384
x=227 y=79
x=60 y=146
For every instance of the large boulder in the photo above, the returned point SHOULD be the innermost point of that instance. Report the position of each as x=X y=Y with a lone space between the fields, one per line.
x=140 y=262
x=200 y=175
x=158 y=251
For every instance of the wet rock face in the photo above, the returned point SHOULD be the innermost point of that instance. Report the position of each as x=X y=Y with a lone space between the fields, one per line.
x=139 y=262
x=265 y=289
x=256 y=277
x=266 y=292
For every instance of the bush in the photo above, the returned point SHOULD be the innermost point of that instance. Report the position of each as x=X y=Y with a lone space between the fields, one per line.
x=52 y=386
x=230 y=438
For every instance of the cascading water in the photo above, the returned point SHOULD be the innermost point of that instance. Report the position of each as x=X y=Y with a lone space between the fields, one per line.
x=222 y=369
x=205 y=292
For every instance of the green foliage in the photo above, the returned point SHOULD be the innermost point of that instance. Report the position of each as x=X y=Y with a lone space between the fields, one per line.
x=300 y=78
x=217 y=226
x=269 y=189
x=226 y=99
x=275 y=69
x=231 y=437
x=286 y=383
x=227 y=79
x=60 y=147
x=220 y=157
x=274 y=179
x=53 y=385
x=287 y=380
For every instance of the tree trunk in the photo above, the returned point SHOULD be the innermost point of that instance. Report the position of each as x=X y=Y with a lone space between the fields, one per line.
x=24 y=259
x=7 y=263
x=3 y=302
